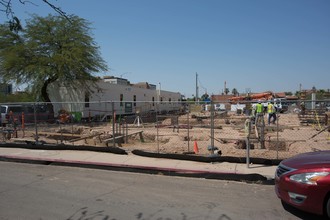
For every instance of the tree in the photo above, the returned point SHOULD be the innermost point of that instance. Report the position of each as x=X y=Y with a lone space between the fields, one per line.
x=226 y=91
x=17 y=97
x=234 y=91
x=6 y=6
x=205 y=97
x=50 y=49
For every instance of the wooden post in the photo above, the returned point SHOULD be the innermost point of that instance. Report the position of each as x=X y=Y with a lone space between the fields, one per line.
x=141 y=137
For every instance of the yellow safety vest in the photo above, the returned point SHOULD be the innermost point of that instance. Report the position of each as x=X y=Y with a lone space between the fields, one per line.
x=271 y=108
x=259 y=108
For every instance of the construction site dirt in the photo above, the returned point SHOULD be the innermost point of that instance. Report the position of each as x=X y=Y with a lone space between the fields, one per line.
x=187 y=134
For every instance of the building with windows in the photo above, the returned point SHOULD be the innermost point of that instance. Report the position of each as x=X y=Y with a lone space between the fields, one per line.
x=112 y=93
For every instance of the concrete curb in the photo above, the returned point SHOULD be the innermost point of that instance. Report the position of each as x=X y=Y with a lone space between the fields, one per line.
x=248 y=178
x=33 y=146
x=207 y=159
x=117 y=150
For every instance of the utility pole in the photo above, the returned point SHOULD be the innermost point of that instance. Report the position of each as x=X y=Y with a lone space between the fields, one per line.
x=160 y=87
x=225 y=88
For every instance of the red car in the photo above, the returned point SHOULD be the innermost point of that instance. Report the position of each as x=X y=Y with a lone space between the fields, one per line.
x=303 y=181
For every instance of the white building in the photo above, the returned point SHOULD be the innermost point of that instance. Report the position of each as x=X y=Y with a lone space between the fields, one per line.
x=114 y=92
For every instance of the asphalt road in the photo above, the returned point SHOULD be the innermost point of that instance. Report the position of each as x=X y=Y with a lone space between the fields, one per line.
x=30 y=191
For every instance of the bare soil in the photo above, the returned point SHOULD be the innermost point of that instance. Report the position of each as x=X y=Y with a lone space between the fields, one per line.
x=285 y=139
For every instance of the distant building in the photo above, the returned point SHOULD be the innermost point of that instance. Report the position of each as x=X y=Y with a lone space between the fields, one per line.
x=145 y=85
x=221 y=98
x=115 y=80
x=279 y=95
x=125 y=82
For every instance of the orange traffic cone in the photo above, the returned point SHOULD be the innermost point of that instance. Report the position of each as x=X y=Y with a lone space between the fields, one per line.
x=195 y=147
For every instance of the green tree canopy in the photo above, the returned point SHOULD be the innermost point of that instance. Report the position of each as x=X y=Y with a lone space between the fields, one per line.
x=234 y=92
x=204 y=97
x=226 y=91
x=50 y=49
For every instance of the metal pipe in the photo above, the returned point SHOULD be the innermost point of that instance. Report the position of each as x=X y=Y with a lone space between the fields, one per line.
x=35 y=123
x=212 y=127
x=113 y=123
x=188 y=127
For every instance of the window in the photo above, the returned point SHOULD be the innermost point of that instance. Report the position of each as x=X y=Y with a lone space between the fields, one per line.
x=121 y=99
x=87 y=100
x=16 y=109
x=3 y=109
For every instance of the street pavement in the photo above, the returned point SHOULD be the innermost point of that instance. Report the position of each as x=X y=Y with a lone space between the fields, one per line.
x=132 y=162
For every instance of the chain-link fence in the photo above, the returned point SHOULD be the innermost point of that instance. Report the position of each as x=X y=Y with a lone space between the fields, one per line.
x=213 y=128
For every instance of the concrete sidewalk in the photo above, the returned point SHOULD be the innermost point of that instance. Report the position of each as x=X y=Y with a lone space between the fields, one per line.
x=131 y=161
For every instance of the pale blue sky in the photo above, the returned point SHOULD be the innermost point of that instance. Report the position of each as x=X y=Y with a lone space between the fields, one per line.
x=258 y=45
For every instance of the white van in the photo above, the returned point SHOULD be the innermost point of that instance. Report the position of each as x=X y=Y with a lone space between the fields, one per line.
x=16 y=110
x=28 y=110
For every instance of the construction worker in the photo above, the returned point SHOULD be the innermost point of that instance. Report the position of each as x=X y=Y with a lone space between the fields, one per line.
x=253 y=113
x=302 y=108
x=271 y=112
x=259 y=111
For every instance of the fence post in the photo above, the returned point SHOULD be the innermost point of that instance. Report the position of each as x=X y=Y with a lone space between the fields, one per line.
x=126 y=130
x=188 y=113
x=122 y=130
x=23 y=124
x=277 y=131
x=61 y=133
x=35 y=122
x=212 y=127
x=248 y=133
x=157 y=126
x=113 y=123
x=72 y=120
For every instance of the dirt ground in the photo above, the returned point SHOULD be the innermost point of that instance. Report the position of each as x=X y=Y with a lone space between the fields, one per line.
x=285 y=139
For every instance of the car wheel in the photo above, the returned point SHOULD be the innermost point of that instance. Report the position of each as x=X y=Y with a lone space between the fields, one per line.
x=327 y=208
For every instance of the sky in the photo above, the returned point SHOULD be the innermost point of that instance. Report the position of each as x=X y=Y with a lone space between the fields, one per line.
x=252 y=45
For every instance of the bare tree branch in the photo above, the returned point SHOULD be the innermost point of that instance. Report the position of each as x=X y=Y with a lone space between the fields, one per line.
x=6 y=6
x=57 y=9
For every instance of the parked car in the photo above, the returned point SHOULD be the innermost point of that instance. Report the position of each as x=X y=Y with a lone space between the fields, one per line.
x=303 y=181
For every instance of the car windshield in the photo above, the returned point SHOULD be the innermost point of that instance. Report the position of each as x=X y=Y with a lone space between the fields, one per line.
x=16 y=109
